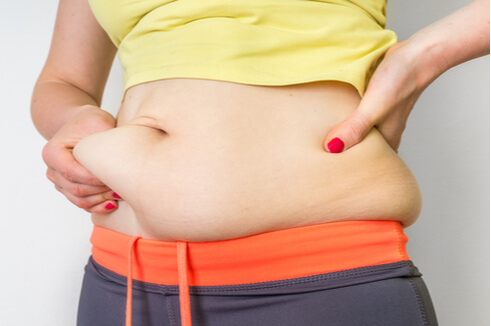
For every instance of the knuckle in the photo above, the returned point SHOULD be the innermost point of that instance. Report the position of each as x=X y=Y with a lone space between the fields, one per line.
x=82 y=202
x=363 y=121
x=46 y=153
x=50 y=176
x=358 y=126
x=67 y=172
x=92 y=179
x=356 y=131
x=77 y=190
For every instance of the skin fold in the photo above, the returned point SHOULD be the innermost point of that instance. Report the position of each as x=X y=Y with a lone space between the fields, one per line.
x=192 y=165
x=213 y=167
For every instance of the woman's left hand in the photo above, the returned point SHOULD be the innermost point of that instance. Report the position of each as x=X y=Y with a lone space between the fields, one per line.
x=407 y=69
x=390 y=96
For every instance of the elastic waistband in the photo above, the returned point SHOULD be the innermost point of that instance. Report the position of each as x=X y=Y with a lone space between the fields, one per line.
x=271 y=256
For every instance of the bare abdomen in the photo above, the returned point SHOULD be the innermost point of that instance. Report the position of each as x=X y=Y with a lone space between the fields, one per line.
x=219 y=160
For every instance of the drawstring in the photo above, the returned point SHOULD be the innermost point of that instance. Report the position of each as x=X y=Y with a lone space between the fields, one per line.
x=129 y=282
x=182 y=274
x=182 y=270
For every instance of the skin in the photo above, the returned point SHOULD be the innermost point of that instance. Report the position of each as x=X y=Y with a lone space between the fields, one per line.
x=234 y=160
x=67 y=97
x=66 y=102
x=411 y=66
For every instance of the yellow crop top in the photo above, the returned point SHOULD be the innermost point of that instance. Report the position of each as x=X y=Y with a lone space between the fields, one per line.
x=259 y=42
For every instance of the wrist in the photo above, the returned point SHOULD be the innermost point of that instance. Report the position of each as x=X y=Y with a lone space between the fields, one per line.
x=90 y=111
x=86 y=120
x=426 y=58
x=457 y=38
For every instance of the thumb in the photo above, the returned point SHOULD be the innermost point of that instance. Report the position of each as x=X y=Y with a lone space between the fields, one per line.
x=348 y=133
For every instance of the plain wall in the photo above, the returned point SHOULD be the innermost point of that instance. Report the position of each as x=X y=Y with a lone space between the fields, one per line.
x=44 y=238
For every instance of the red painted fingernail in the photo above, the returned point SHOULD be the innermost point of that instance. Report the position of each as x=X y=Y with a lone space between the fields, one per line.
x=110 y=206
x=115 y=195
x=336 y=145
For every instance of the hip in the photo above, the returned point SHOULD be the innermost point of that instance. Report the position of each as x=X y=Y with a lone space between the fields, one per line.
x=319 y=275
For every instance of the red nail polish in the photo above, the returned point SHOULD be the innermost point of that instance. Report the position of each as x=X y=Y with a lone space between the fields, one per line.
x=115 y=195
x=336 y=145
x=110 y=206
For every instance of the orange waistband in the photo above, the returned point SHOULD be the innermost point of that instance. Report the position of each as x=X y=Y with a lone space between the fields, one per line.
x=271 y=256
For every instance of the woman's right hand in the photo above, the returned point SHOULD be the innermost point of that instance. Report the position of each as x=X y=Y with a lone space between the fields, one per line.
x=69 y=177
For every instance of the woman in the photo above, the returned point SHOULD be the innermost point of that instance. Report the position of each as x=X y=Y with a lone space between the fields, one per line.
x=227 y=143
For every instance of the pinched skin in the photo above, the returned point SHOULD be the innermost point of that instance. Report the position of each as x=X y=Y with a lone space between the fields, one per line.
x=198 y=160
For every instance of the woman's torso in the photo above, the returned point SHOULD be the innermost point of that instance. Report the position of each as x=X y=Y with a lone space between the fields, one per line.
x=201 y=160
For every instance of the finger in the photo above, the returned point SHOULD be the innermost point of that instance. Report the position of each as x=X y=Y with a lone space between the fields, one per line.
x=348 y=133
x=76 y=189
x=62 y=160
x=394 y=143
x=116 y=196
x=75 y=172
x=392 y=135
x=92 y=204
x=111 y=195
x=103 y=208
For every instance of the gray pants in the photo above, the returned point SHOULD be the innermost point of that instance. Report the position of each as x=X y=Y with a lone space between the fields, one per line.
x=383 y=295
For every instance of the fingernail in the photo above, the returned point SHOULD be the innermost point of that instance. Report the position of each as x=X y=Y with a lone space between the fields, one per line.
x=336 y=145
x=110 y=206
x=115 y=195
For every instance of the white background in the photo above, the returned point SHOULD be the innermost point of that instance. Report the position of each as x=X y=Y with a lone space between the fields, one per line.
x=44 y=239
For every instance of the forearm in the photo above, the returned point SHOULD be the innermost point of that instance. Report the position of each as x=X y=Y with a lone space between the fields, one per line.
x=54 y=102
x=457 y=38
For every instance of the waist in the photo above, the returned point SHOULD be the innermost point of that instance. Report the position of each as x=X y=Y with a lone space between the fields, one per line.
x=313 y=250
x=201 y=160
